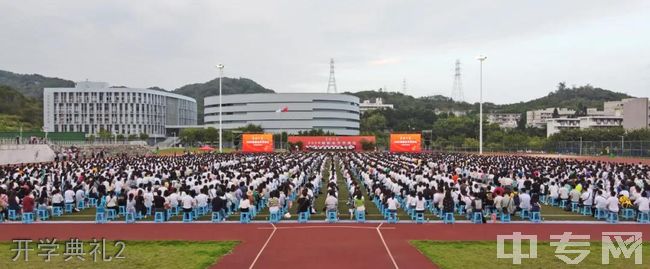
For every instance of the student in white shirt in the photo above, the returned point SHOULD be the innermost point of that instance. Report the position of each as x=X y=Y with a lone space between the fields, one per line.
x=612 y=203
x=643 y=203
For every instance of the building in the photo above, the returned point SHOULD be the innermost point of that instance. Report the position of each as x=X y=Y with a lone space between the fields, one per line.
x=538 y=118
x=286 y=112
x=635 y=112
x=366 y=105
x=504 y=120
x=558 y=124
x=93 y=106
x=453 y=111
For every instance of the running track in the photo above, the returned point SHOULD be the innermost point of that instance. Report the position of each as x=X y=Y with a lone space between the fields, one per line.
x=312 y=245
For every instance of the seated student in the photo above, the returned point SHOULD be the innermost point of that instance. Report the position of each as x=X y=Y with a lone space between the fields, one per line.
x=420 y=203
x=187 y=203
x=331 y=203
x=392 y=203
x=28 y=203
x=448 y=204
x=359 y=203
x=304 y=203
x=130 y=204
x=643 y=203
x=57 y=199
x=524 y=200
x=274 y=202
x=219 y=204
x=612 y=203
x=158 y=204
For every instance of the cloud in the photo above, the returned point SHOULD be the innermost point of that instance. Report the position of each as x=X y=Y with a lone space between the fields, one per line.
x=385 y=61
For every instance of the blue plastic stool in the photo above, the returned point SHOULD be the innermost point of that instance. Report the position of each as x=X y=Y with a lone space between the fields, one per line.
x=92 y=202
x=12 y=214
x=331 y=216
x=169 y=214
x=524 y=213
x=392 y=217
x=122 y=210
x=505 y=217
x=129 y=217
x=449 y=218
x=188 y=216
x=643 y=217
x=273 y=217
x=57 y=211
x=586 y=210
x=28 y=217
x=477 y=218
x=100 y=217
x=148 y=211
x=628 y=213
x=43 y=214
x=159 y=217
x=303 y=217
x=244 y=217
x=111 y=214
x=2 y=218
x=601 y=214
x=612 y=217
x=69 y=207
x=575 y=207
x=553 y=201
x=419 y=218
x=81 y=205
x=360 y=216
x=535 y=217
x=563 y=203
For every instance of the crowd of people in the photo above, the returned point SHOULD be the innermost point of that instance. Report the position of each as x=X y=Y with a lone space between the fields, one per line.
x=226 y=183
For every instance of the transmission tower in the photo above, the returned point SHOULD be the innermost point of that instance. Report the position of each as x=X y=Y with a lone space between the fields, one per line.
x=457 y=91
x=331 y=86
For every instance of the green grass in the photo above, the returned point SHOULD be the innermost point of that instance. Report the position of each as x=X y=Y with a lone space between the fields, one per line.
x=137 y=254
x=483 y=254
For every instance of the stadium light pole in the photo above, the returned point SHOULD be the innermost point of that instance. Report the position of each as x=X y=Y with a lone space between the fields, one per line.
x=220 y=66
x=481 y=58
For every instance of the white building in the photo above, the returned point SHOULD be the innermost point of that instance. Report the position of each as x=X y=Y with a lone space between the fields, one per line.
x=93 y=106
x=504 y=120
x=556 y=125
x=635 y=112
x=366 y=105
x=286 y=112
x=538 y=118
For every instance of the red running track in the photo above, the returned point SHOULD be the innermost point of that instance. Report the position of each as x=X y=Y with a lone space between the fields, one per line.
x=313 y=245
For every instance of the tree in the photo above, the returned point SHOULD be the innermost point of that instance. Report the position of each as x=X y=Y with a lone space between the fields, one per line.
x=120 y=137
x=144 y=136
x=367 y=145
x=104 y=134
x=251 y=128
x=373 y=121
x=556 y=114
x=210 y=135
x=133 y=137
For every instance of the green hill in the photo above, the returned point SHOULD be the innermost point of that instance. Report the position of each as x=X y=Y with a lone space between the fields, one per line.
x=574 y=97
x=199 y=91
x=17 y=108
x=31 y=85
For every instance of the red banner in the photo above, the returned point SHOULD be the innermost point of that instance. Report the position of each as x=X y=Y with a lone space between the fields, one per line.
x=405 y=142
x=257 y=143
x=331 y=142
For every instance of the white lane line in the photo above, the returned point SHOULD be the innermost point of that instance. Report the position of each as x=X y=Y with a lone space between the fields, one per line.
x=321 y=226
x=263 y=247
x=386 y=246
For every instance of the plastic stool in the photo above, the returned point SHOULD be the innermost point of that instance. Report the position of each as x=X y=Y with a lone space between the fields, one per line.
x=535 y=217
x=477 y=218
x=612 y=217
x=586 y=210
x=216 y=217
x=122 y=210
x=303 y=217
x=28 y=217
x=244 y=217
x=100 y=217
x=12 y=214
x=643 y=217
x=449 y=218
x=129 y=217
x=159 y=217
x=42 y=214
x=360 y=216
x=331 y=216
x=69 y=207
x=110 y=214
x=188 y=216
x=505 y=217
x=57 y=211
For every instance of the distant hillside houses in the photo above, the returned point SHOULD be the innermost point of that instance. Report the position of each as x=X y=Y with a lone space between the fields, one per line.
x=504 y=120
x=367 y=105
x=630 y=113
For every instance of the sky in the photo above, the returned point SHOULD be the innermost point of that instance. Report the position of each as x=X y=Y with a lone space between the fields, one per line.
x=286 y=45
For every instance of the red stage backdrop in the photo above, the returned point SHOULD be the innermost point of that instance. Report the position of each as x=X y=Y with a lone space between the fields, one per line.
x=257 y=143
x=331 y=141
x=405 y=142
